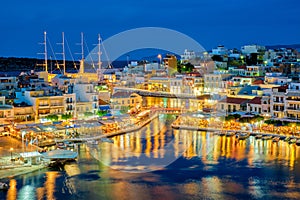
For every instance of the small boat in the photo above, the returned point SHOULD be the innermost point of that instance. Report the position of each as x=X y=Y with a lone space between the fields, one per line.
x=287 y=139
x=3 y=186
x=267 y=137
x=230 y=133
x=61 y=145
x=292 y=141
x=92 y=142
x=258 y=136
x=216 y=132
x=106 y=140
x=221 y=133
x=70 y=144
x=298 y=142
x=276 y=139
x=242 y=136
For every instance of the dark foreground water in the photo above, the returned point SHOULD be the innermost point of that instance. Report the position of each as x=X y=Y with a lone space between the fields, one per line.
x=160 y=163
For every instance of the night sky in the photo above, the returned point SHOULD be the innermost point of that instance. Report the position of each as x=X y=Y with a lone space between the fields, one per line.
x=229 y=22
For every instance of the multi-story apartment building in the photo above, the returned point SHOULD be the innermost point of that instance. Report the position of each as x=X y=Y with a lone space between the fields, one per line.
x=231 y=104
x=248 y=49
x=176 y=85
x=7 y=86
x=265 y=105
x=62 y=82
x=255 y=105
x=126 y=99
x=292 y=101
x=277 y=78
x=23 y=113
x=213 y=83
x=187 y=55
x=159 y=84
x=86 y=98
x=254 y=71
x=277 y=101
x=6 y=112
x=47 y=101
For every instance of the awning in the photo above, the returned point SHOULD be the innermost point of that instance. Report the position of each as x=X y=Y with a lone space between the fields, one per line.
x=60 y=154
x=104 y=107
x=30 y=154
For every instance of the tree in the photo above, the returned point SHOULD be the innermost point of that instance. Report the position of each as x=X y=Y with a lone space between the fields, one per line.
x=101 y=113
x=52 y=117
x=185 y=67
x=88 y=114
x=217 y=58
x=124 y=109
x=66 y=116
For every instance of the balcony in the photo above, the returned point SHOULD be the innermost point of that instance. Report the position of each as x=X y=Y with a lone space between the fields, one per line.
x=57 y=105
x=278 y=102
x=293 y=99
x=69 y=109
x=69 y=101
x=294 y=109
x=44 y=106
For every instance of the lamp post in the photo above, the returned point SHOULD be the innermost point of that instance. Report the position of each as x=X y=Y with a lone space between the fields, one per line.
x=159 y=56
x=11 y=150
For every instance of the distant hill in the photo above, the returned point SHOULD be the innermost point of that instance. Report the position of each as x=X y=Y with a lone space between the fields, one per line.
x=293 y=46
x=25 y=64
x=12 y=64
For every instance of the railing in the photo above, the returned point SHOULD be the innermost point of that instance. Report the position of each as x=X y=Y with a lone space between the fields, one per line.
x=278 y=101
x=293 y=109
x=290 y=99
x=57 y=105
x=44 y=105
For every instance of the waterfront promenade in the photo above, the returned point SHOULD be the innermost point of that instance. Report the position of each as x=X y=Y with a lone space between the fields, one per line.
x=177 y=125
x=10 y=169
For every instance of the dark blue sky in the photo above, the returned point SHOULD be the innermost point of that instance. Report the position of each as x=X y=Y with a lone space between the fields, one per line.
x=212 y=22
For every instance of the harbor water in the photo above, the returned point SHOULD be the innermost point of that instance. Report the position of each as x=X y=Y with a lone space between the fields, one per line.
x=158 y=162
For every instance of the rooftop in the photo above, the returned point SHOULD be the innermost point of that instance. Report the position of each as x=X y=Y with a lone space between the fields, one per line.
x=233 y=100
x=255 y=100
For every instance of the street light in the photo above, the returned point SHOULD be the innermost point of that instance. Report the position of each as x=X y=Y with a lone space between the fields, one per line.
x=11 y=150
x=159 y=56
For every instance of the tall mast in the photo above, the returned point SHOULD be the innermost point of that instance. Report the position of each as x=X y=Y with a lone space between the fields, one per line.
x=81 y=67
x=45 y=52
x=99 y=52
x=82 y=49
x=63 y=52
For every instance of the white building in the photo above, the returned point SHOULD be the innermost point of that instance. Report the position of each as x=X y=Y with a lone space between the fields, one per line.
x=292 y=101
x=220 y=50
x=187 y=55
x=86 y=98
x=176 y=85
x=248 y=49
x=216 y=83
x=277 y=102
x=6 y=112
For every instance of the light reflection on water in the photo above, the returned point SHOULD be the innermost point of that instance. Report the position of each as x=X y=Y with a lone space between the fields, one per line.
x=203 y=165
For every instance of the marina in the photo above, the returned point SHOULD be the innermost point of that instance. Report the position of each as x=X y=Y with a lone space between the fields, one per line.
x=105 y=165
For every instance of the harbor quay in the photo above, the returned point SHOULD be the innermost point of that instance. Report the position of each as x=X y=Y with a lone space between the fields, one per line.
x=187 y=122
x=12 y=163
